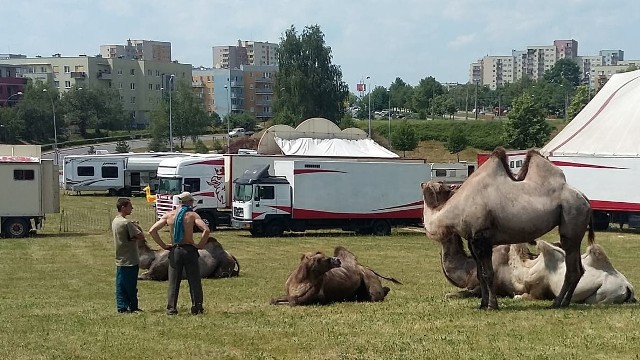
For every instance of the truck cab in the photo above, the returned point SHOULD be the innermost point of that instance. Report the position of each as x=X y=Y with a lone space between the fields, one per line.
x=261 y=203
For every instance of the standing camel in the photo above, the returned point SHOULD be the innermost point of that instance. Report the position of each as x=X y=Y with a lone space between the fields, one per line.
x=492 y=207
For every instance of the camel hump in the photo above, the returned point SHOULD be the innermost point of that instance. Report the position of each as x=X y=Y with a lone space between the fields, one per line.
x=500 y=154
x=548 y=249
x=597 y=256
x=343 y=254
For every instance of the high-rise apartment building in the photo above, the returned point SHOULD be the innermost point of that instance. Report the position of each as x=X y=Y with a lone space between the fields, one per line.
x=245 y=53
x=140 y=83
x=495 y=71
x=138 y=50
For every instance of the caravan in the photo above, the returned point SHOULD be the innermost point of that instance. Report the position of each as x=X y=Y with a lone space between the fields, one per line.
x=29 y=189
x=118 y=174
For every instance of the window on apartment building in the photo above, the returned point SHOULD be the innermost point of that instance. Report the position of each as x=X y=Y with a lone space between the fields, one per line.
x=157 y=72
x=119 y=72
x=150 y=86
x=132 y=72
x=120 y=86
x=133 y=99
x=56 y=69
x=158 y=87
x=56 y=84
x=67 y=69
x=149 y=72
x=67 y=84
x=43 y=69
x=121 y=98
x=133 y=86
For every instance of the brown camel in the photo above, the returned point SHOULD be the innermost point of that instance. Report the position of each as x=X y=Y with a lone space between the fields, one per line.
x=492 y=207
x=320 y=279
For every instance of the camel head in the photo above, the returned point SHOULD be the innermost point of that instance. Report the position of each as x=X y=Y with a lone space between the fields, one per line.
x=436 y=194
x=318 y=263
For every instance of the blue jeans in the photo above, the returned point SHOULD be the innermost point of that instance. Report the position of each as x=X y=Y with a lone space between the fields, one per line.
x=127 y=288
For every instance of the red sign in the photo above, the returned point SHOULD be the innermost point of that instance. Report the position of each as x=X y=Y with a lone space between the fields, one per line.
x=362 y=87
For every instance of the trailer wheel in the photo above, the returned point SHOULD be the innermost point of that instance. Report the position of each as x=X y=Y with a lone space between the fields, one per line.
x=17 y=227
x=209 y=220
x=381 y=228
x=112 y=192
x=600 y=221
x=274 y=228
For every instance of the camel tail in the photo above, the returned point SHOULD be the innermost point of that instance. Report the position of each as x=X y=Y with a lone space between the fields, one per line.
x=236 y=269
x=592 y=236
x=393 y=280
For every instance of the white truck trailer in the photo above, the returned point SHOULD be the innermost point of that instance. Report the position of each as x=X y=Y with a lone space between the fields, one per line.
x=117 y=174
x=365 y=197
x=210 y=179
x=28 y=188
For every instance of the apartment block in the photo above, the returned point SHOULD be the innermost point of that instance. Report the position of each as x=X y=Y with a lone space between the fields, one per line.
x=11 y=86
x=495 y=71
x=258 y=94
x=245 y=53
x=202 y=83
x=138 y=50
x=140 y=83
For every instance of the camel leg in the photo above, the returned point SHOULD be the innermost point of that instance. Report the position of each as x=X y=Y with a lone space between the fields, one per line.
x=573 y=274
x=482 y=250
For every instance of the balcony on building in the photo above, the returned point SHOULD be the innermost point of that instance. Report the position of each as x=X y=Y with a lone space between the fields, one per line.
x=105 y=75
x=263 y=114
x=78 y=74
x=263 y=79
x=237 y=84
x=264 y=91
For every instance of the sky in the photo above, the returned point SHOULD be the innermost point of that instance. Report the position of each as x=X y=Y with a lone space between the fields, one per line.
x=385 y=40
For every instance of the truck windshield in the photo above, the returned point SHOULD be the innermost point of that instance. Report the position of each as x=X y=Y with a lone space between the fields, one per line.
x=172 y=186
x=243 y=192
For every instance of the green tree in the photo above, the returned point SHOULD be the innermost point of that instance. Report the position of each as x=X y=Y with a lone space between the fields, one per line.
x=457 y=141
x=159 y=126
x=11 y=125
x=423 y=94
x=526 y=127
x=35 y=112
x=188 y=118
x=564 y=71
x=243 y=119
x=401 y=94
x=88 y=108
x=201 y=148
x=307 y=83
x=578 y=101
x=404 y=137
x=122 y=147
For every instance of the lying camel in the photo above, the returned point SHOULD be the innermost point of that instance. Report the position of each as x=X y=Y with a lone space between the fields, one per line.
x=460 y=269
x=214 y=262
x=600 y=284
x=320 y=279
x=492 y=207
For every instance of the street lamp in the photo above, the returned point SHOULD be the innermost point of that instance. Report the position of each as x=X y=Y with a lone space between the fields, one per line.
x=170 y=115
x=369 y=96
x=389 y=110
x=226 y=87
x=6 y=102
x=55 y=130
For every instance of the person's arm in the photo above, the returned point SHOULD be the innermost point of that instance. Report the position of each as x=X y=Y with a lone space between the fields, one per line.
x=135 y=232
x=205 y=231
x=153 y=231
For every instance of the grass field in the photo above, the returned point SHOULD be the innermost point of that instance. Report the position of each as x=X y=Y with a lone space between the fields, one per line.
x=57 y=302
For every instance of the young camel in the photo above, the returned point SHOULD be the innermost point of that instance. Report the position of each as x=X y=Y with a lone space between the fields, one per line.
x=492 y=207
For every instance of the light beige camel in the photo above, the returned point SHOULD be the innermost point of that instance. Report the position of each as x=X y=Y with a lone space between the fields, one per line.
x=494 y=208
x=600 y=284
x=460 y=269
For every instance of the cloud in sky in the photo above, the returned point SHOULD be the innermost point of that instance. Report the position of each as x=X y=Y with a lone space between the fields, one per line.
x=410 y=39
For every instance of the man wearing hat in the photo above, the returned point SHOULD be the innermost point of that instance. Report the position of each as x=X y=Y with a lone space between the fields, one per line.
x=183 y=253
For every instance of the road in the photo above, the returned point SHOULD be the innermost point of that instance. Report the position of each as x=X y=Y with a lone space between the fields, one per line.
x=111 y=147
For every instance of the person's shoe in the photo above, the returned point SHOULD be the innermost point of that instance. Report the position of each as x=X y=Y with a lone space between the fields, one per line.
x=136 y=310
x=123 y=311
x=196 y=309
x=172 y=312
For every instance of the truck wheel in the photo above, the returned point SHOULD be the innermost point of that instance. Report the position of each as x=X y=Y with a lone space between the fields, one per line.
x=274 y=228
x=381 y=228
x=209 y=220
x=600 y=221
x=112 y=192
x=17 y=227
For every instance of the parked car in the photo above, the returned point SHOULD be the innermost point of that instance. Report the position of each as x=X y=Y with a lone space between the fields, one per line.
x=238 y=132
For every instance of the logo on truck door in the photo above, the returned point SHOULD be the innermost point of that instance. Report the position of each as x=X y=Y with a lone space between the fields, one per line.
x=217 y=183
